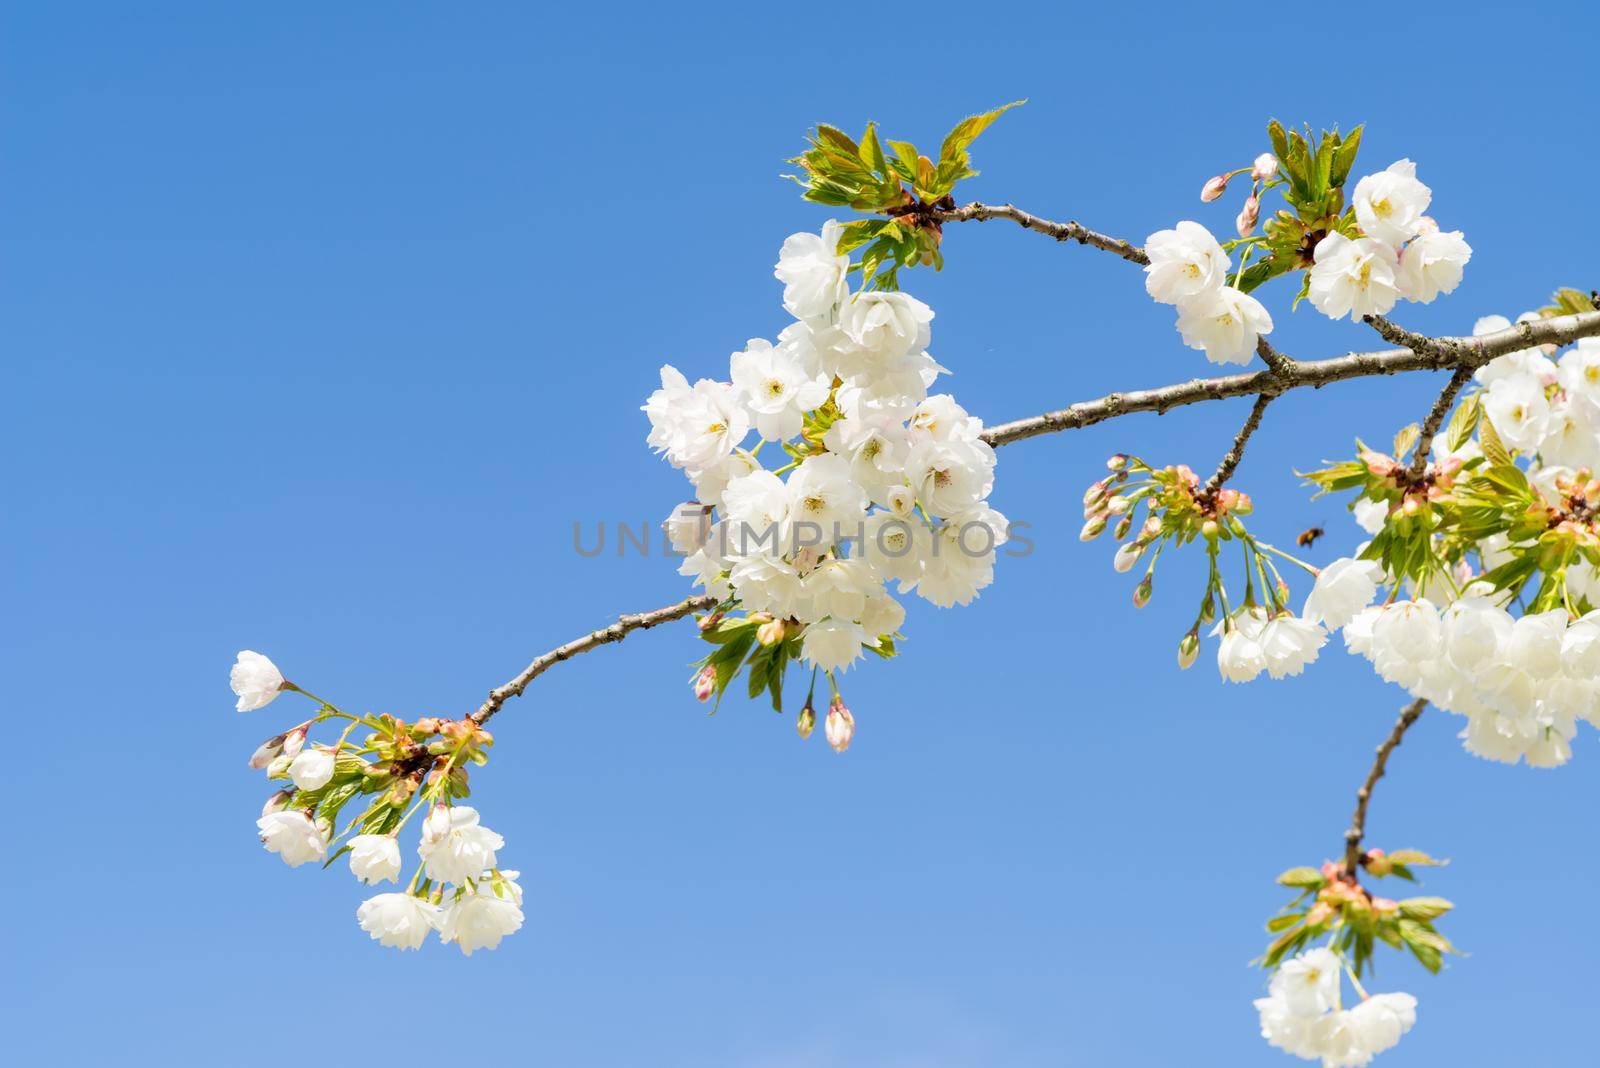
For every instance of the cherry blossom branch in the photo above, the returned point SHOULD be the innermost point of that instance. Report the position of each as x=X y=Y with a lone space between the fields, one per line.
x=1236 y=453
x=1421 y=354
x=1435 y=419
x=1358 y=822
x=1067 y=231
x=619 y=630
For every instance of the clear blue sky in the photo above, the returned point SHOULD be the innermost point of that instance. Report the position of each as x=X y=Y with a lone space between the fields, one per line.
x=323 y=326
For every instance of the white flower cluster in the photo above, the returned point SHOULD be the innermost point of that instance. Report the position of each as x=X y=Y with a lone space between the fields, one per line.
x=1254 y=640
x=885 y=482
x=1403 y=254
x=1301 y=1014
x=1542 y=406
x=1521 y=682
x=1189 y=269
x=472 y=903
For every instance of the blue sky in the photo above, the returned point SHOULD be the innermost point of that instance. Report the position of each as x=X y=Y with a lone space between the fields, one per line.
x=324 y=326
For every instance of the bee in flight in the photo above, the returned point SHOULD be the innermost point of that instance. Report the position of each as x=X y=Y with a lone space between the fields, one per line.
x=1308 y=537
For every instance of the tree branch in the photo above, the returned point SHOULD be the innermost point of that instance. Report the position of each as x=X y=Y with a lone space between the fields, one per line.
x=1234 y=455
x=1435 y=419
x=1428 y=354
x=1067 y=231
x=1358 y=822
x=619 y=630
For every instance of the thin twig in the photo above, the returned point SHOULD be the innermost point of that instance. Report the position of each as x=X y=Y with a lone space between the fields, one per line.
x=1280 y=364
x=1437 y=354
x=1067 y=231
x=619 y=630
x=1358 y=822
x=1435 y=419
x=1231 y=461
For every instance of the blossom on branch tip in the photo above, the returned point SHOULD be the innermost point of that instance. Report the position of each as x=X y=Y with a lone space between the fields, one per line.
x=1389 y=204
x=1353 y=277
x=256 y=681
x=813 y=273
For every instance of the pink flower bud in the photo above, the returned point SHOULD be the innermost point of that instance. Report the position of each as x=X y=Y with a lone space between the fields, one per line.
x=708 y=622
x=1141 y=592
x=1214 y=188
x=267 y=752
x=705 y=683
x=1117 y=462
x=1265 y=168
x=1248 y=215
x=277 y=802
x=294 y=741
x=1127 y=556
x=1188 y=650
x=840 y=726
x=1092 y=529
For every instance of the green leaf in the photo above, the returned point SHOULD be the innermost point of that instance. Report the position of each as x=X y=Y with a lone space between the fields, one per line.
x=1345 y=157
x=1405 y=438
x=1424 y=908
x=967 y=130
x=1306 y=877
x=871 y=152
x=1463 y=422
x=1493 y=447
x=1284 y=922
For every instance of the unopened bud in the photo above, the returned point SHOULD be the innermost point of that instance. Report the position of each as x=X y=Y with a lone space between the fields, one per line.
x=1117 y=462
x=1152 y=527
x=1265 y=168
x=1246 y=220
x=1124 y=525
x=1320 y=914
x=705 y=683
x=840 y=726
x=807 y=721
x=1118 y=504
x=708 y=622
x=1214 y=188
x=266 y=752
x=1209 y=529
x=277 y=802
x=1411 y=507
x=1141 y=592
x=1095 y=493
x=279 y=766
x=1092 y=529
x=1188 y=650
x=294 y=741
x=770 y=632
x=1377 y=862
x=1127 y=556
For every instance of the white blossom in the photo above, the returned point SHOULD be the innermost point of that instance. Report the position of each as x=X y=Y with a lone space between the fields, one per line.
x=1432 y=264
x=454 y=846
x=1371 y=514
x=1390 y=204
x=1342 y=589
x=374 y=858
x=1240 y=657
x=1225 y=322
x=813 y=273
x=1519 y=410
x=487 y=910
x=776 y=388
x=1185 y=262
x=1309 y=983
x=1288 y=643
x=883 y=328
x=697 y=427
x=256 y=680
x=293 y=835
x=1353 y=277
x=833 y=644
x=399 y=921
x=312 y=769
x=822 y=493
x=839 y=727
